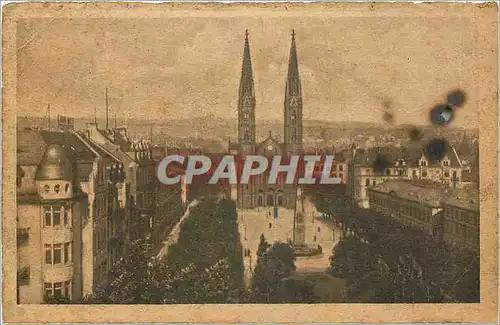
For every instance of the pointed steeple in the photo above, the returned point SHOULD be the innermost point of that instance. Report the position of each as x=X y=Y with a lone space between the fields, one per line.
x=246 y=81
x=246 y=103
x=293 y=79
x=293 y=67
x=293 y=104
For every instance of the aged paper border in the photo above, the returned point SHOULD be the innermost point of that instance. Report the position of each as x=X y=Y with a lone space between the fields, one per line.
x=486 y=311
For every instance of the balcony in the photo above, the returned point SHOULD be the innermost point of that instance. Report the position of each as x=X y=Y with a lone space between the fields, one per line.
x=23 y=234
x=23 y=276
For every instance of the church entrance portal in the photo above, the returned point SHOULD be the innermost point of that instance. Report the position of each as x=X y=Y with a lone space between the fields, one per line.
x=270 y=200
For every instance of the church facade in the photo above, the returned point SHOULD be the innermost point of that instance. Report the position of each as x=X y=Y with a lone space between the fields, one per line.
x=258 y=192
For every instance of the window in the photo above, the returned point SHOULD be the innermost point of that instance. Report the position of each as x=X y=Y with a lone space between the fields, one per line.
x=67 y=289
x=57 y=188
x=423 y=163
x=66 y=253
x=65 y=213
x=424 y=173
x=47 y=211
x=374 y=183
x=48 y=254
x=66 y=188
x=57 y=253
x=58 y=289
x=56 y=216
x=367 y=182
x=446 y=174
x=46 y=188
x=48 y=289
x=52 y=215
x=341 y=168
x=446 y=163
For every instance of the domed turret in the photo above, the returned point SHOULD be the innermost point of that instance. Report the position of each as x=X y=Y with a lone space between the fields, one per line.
x=54 y=165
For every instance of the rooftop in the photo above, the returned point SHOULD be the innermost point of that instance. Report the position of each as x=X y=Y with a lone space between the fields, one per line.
x=409 y=154
x=432 y=193
x=428 y=192
x=465 y=198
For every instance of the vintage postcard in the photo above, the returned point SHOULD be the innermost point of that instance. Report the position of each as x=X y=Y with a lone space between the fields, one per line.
x=272 y=162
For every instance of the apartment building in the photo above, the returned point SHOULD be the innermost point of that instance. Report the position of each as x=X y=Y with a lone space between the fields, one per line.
x=369 y=167
x=446 y=214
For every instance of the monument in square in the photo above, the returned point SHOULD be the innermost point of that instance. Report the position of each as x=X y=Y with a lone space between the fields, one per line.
x=301 y=248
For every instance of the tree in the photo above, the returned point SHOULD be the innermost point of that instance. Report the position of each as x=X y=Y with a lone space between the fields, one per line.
x=133 y=279
x=56 y=300
x=263 y=246
x=277 y=263
x=294 y=290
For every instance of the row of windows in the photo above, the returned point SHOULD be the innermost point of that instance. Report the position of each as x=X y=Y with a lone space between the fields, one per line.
x=100 y=239
x=56 y=215
x=58 y=253
x=414 y=225
x=100 y=206
x=146 y=175
x=445 y=163
x=403 y=208
x=462 y=216
x=58 y=289
x=319 y=167
x=57 y=188
x=101 y=271
x=461 y=231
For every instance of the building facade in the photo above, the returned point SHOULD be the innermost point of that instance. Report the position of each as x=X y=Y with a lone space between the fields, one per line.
x=416 y=204
x=447 y=214
x=461 y=217
x=370 y=167
x=258 y=192
x=53 y=211
x=151 y=208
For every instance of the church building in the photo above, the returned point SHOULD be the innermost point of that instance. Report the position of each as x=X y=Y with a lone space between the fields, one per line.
x=258 y=192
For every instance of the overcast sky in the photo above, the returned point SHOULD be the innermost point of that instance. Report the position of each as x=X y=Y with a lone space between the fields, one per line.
x=351 y=68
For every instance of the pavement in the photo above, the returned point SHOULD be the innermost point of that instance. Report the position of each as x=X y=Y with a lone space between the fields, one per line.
x=174 y=234
x=254 y=222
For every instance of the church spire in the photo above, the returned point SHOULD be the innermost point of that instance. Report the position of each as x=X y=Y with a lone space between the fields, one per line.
x=293 y=66
x=293 y=104
x=246 y=81
x=246 y=103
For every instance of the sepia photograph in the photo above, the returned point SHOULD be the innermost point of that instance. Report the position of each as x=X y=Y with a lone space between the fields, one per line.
x=285 y=157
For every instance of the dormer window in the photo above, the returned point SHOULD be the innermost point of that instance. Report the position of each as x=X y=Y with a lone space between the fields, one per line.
x=423 y=163
x=446 y=163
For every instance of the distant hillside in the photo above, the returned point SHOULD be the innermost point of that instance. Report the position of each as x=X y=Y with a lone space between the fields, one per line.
x=213 y=133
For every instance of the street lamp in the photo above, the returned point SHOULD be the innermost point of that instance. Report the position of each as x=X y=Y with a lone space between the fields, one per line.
x=250 y=256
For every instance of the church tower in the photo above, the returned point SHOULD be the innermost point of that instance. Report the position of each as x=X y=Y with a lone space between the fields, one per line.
x=293 y=104
x=246 y=104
